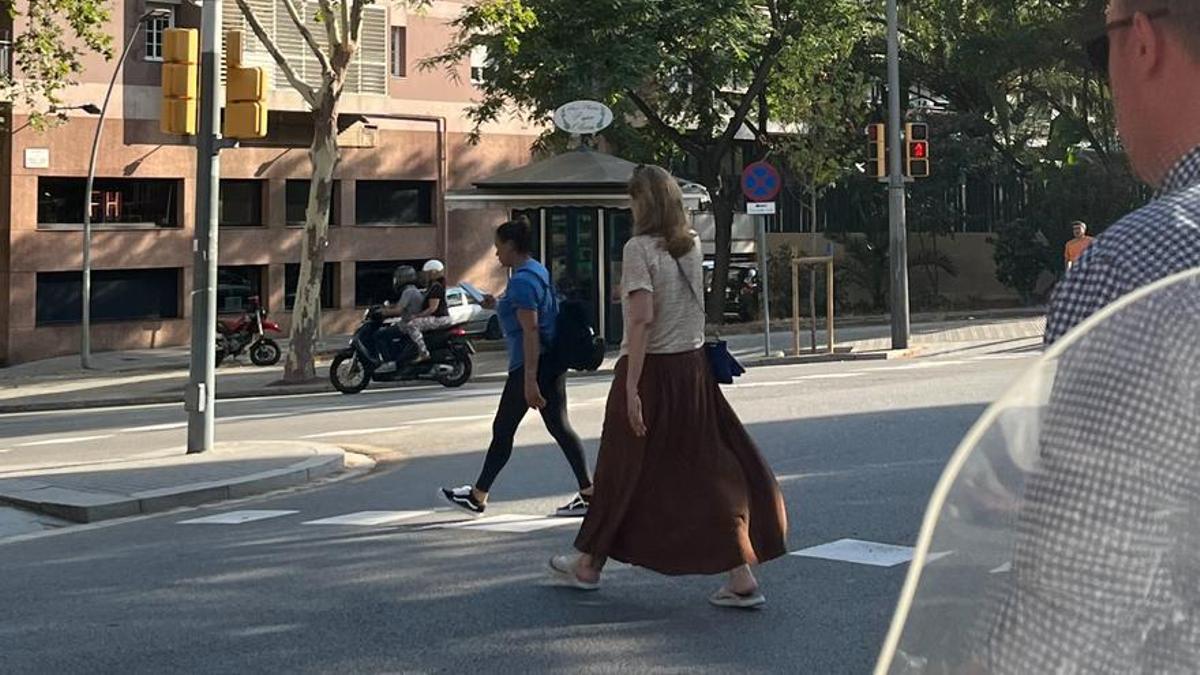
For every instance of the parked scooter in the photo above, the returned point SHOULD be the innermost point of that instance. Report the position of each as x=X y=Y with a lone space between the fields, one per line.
x=355 y=367
x=249 y=331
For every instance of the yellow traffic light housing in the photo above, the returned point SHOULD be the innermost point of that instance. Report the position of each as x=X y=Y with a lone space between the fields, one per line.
x=180 y=81
x=916 y=156
x=877 y=150
x=245 y=94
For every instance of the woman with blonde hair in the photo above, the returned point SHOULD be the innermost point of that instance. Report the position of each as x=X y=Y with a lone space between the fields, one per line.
x=680 y=487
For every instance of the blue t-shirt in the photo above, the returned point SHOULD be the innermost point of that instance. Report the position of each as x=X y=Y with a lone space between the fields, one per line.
x=528 y=288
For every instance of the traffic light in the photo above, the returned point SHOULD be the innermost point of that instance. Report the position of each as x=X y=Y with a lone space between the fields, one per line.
x=245 y=94
x=916 y=136
x=877 y=150
x=180 y=82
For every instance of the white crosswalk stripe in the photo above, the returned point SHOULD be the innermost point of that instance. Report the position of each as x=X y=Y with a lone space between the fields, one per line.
x=509 y=522
x=864 y=553
x=237 y=517
x=371 y=518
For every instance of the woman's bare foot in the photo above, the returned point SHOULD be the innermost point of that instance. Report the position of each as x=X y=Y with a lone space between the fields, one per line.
x=742 y=581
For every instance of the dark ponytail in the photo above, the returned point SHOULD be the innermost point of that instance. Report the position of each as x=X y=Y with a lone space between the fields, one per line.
x=517 y=232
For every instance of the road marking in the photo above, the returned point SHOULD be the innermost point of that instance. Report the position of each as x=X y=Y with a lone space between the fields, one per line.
x=924 y=365
x=464 y=418
x=369 y=518
x=56 y=441
x=761 y=385
x=236 y=517
x=353 y=432
x=511 y=522
x=1003 y=569
x=155 y=427
x=828 y=376
x=864 y=553
x=1008 y=357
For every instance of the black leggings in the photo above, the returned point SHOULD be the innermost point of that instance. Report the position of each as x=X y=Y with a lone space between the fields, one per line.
x=512 y=410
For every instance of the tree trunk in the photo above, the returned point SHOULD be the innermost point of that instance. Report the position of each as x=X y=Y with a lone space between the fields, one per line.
x=722 y=205
x=306 y=316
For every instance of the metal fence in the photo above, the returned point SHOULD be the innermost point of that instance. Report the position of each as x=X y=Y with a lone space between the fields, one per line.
x=5 y=53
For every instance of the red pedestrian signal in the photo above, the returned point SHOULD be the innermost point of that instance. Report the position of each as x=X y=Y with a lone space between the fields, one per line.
x=916 y=136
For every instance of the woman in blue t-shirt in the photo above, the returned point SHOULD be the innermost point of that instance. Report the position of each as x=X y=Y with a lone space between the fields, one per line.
x=528 y=311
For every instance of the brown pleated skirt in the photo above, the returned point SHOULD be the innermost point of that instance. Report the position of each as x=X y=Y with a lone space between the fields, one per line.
x=694 y=496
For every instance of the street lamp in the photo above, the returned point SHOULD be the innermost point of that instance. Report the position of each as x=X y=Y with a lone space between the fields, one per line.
x=89 y=108
x=85 y=346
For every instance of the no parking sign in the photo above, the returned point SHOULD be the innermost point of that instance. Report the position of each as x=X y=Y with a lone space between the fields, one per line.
x=761 y=182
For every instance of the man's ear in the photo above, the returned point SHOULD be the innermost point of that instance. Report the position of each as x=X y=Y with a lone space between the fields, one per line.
x=1147 y=41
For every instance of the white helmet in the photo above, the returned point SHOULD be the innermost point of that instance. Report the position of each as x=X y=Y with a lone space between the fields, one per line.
x=434 y=266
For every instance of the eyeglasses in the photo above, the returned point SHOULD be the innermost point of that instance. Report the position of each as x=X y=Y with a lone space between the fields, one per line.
x=1098 y=47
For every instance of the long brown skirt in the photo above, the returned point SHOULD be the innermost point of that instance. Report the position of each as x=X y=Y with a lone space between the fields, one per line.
x=694 y=496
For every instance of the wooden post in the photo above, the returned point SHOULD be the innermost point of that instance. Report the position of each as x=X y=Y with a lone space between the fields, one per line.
x=795 y=308
x=829 y=303
x=812 y=304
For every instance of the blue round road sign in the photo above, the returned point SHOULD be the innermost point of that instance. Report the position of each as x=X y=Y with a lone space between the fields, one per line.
x=761 y=182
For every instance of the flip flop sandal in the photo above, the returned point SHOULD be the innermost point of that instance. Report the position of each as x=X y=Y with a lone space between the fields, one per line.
x=562 y=568
x=727 y=598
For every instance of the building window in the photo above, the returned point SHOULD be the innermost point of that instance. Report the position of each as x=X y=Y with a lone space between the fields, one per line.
x=297 y=203
x=156 y=30
x=479 y=65
x=242 y=203
x=394 y=202
x=117 y=295
x=399 y=52
x=291 y=280
x=239 y=287
x=373 y=281
x=116 y=202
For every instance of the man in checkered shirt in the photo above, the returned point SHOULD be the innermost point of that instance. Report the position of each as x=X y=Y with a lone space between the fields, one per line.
x=1102 y=580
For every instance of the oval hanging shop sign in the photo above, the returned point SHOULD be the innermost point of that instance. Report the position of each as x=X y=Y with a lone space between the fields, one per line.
x=583 y=118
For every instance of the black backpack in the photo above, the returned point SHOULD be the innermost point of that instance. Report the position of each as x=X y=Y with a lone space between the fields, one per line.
x=576 y=344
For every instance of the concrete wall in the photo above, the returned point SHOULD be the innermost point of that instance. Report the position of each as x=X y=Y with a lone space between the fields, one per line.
x=974 y=284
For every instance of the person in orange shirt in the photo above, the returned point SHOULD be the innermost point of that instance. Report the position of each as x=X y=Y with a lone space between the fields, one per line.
x=1079 y=244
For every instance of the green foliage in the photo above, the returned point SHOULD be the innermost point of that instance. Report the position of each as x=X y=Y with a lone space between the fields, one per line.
x=48 y=51
x=1021 y=256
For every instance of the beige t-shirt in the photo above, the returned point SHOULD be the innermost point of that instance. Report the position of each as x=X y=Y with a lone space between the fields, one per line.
x=678 y=314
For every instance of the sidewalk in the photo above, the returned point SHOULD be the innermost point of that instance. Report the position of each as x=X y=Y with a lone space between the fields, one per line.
x=159 y=376
x=132 y=485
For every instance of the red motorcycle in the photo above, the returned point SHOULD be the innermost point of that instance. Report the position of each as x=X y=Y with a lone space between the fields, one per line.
x=249 y=331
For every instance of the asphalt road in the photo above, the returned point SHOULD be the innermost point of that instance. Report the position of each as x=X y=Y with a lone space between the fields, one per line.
x=857 y=448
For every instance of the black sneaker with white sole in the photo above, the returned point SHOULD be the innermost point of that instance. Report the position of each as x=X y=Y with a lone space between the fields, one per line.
x=463 y=498
x=576 y=508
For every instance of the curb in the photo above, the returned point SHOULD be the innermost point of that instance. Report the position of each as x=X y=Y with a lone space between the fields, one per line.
x=89 y=507
x=323 y=387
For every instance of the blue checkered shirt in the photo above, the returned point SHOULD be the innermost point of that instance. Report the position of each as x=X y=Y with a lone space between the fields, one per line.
x=1152 y=243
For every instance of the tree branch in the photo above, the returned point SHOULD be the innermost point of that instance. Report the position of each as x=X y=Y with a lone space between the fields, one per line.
x=305 y=91
x=356 y=19
x=657 y=122
x=307 y=34
x=770 y=55
x=329 y=19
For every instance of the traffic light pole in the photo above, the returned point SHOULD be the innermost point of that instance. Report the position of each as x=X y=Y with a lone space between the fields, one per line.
x=201 y=391
x=897 y=217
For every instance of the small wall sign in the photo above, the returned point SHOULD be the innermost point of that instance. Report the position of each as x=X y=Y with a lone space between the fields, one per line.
x=37 y=158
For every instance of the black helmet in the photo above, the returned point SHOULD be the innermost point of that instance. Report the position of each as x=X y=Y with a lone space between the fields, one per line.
x=405 y=275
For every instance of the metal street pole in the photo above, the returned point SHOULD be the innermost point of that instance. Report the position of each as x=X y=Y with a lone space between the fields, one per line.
x=201 y=394
x=897 y=218
x=764 y=274
x=85 y=339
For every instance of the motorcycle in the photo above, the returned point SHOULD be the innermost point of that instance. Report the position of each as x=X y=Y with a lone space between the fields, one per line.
x=355 y=367
x=249 y=331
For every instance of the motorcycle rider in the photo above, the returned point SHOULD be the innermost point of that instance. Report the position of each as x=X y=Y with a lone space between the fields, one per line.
x=435 y=314
x=404 y=282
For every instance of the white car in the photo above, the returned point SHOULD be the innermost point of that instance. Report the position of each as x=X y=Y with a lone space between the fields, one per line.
x=466 y=311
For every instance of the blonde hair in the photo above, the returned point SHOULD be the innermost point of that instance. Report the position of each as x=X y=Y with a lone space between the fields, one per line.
x=658 y=210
